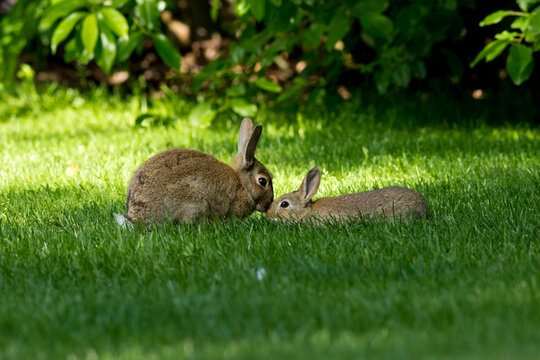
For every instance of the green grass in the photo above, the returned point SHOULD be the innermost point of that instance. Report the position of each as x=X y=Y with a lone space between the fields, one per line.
x=75 y=285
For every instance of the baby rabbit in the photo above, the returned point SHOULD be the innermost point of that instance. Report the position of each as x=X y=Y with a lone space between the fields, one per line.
x=390 y=202
x=187 y=185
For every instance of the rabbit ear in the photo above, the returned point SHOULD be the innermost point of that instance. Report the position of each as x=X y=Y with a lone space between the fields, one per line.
x=246 y=128
x=311 y=183
x=248 y=138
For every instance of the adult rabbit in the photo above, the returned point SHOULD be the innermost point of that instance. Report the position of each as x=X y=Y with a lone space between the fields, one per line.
x=187 y=186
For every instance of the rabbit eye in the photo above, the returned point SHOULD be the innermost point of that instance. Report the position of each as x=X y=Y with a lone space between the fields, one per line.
x=262 y=181
x=284 y=204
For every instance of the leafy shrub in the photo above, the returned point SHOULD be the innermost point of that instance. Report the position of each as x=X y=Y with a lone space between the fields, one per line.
x=314 y=42
x=16 y=30
x=524 y=39
x=98 y=30
x=389 y=39
x=297 y=49
x=107 y=31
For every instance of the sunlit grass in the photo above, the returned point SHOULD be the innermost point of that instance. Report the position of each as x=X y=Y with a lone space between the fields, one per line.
x=465 y=284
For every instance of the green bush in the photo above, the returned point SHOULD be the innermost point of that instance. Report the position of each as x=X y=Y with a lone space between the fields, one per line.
x=394 y=37
x=295 y=49
x=98 y=30
x=107 y=31
x=387 y=42
x=16 y=30
x=523 y=39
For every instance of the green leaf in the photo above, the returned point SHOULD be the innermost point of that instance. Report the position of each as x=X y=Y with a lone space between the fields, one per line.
x=524 y=4
x=114 y=20
x=118 y=3
x=167 y=52
x=243 y=108
x=26 y=73
x=90 y=32
x=106 y=51
x=276 y=2
x=71 y=50
x=148 y=13
x=202 y=115
x=268 y=85
x=257 y=9
x=214 y=10
x=520 y=63
x=508 y=36
x=521 y=23
x=236 y=90
x=490 y=51
x=57 y=11
x=339 y=27
x=312 y=36
x=402 y=75
x=533 y=29
x=377 y=25
x=382 y=80
x=370 y=6
x=294 y=90
x=74 y=50
x=495 y=18
x=241 y=7
x=65 y=27
x=126 y=45
x=496 y=50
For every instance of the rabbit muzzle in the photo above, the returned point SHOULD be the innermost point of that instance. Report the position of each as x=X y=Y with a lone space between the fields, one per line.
x=263 y=204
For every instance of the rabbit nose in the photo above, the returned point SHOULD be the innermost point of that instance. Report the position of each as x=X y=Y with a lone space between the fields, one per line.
x=264 y=205
x=262 y=208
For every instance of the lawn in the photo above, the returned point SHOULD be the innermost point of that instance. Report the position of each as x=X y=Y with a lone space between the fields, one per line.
x=465 y=284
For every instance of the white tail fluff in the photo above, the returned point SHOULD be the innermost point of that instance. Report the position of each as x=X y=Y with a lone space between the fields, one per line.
x=123 y=221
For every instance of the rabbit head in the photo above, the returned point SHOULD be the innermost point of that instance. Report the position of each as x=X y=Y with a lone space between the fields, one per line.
x=254 y=177
x=297 y=205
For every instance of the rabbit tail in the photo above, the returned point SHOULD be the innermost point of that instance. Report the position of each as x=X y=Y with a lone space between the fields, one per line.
x=123 y=221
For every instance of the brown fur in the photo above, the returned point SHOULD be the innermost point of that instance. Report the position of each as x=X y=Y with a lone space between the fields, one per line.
x=392 y=202
x=187 y=185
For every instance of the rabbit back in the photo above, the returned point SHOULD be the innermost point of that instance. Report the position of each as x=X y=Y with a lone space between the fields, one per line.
x=389 y=202
x=185 y=186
